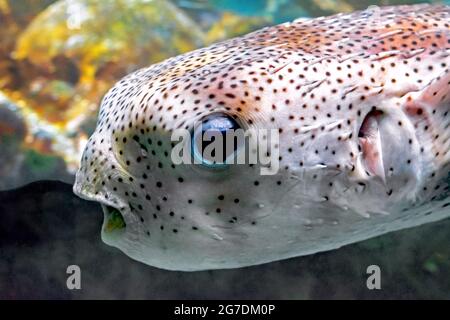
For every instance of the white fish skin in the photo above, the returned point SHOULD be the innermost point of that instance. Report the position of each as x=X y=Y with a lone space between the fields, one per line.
x=361 y=102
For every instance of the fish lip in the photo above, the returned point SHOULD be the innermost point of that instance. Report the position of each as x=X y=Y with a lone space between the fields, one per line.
x=77 y=188
x=83 y=190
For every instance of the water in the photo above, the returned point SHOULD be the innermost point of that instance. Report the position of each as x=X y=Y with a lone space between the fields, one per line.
x=57 y=59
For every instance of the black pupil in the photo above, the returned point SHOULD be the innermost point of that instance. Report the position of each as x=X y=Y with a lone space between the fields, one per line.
x=213 y=125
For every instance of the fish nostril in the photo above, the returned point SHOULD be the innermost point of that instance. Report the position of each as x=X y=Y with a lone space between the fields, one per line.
x=114 y=220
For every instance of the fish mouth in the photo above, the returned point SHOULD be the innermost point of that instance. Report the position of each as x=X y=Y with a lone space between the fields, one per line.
x=114 y=221
x=121 y=227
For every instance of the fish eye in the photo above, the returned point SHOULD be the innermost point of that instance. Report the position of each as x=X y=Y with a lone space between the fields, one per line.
x=216 y=140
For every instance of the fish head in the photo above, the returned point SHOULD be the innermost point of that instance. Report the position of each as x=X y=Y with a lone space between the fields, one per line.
x=350 y=112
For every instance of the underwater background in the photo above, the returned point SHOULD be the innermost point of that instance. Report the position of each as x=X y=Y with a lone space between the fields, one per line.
x=57 y=60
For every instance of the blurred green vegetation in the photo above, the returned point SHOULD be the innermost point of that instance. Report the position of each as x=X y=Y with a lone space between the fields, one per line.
x=38 y=162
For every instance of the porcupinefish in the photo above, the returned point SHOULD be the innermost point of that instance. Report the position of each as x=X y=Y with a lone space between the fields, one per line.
x=360 y=103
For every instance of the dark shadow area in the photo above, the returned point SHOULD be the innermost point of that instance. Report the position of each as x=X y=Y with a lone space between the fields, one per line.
x=44 y=228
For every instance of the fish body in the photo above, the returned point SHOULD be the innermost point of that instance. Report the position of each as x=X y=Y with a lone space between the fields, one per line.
x=361 y=105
